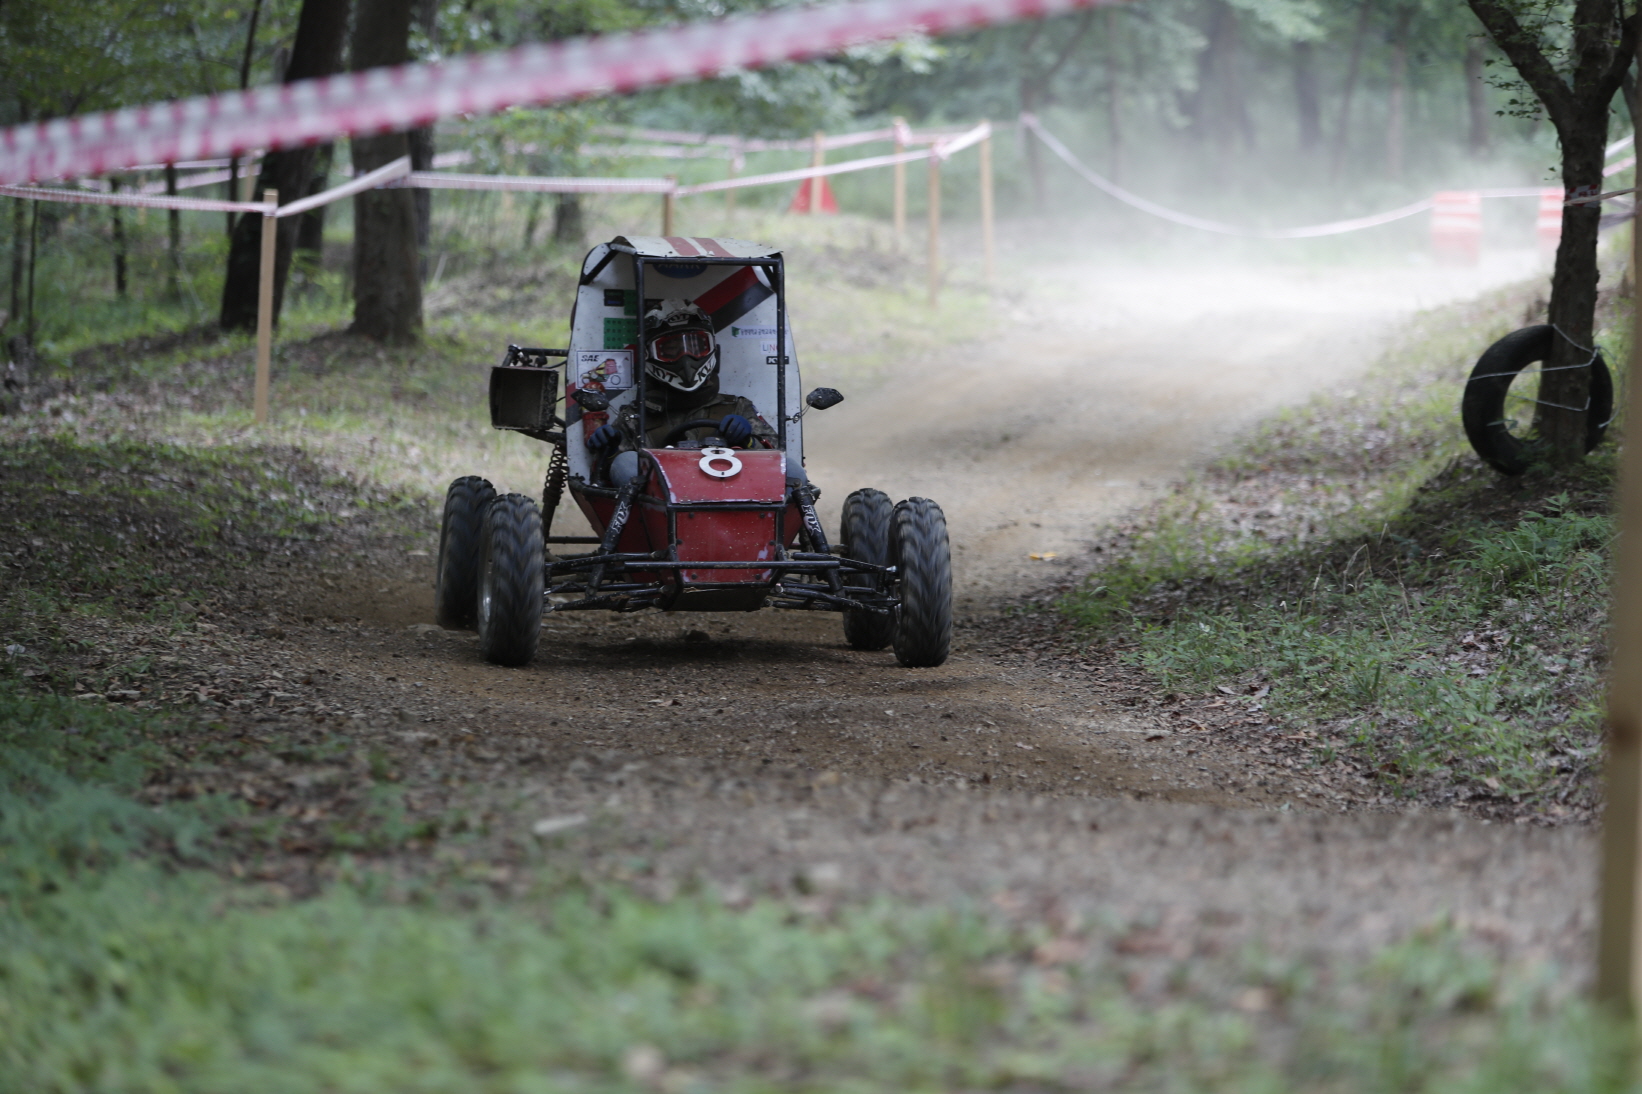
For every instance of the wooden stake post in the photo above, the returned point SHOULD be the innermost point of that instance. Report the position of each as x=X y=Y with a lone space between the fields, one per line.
x=934 y=228
x=987 y=244
x=667 y=208
x=900 y=187
x=1619 y=949
x=265 y=305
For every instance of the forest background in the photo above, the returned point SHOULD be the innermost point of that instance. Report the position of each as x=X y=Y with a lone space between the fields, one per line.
x=1269 y=111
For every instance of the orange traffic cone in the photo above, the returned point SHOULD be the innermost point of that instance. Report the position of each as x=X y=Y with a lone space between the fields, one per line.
x=801 y=200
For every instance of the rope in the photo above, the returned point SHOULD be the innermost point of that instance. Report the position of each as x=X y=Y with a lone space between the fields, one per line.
x=1337 y=227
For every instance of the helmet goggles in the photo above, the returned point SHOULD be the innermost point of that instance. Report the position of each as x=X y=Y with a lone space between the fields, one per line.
x=676 y=345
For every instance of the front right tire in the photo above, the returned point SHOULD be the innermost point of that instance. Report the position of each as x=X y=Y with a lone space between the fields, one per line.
x=456 y=577
x=923 y=560
x=510 y=581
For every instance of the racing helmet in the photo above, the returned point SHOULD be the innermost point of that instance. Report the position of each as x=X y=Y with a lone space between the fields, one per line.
x=682 y=352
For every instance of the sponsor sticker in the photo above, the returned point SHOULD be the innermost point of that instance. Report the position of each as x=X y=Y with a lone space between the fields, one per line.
x=766 y=334
x=613 y=368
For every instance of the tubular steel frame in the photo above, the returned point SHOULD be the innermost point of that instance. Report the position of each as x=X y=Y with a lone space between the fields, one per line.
x=818 y=572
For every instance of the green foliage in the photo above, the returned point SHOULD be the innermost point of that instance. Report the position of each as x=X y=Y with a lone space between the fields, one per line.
x=97 y=54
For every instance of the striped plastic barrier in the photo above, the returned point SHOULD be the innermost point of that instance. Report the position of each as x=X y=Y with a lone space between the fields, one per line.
x=1456 y=226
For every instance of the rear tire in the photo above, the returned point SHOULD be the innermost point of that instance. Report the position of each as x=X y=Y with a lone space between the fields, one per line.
x=923 y=560
x=863 y=534
x=510 y=581
x=456 y=577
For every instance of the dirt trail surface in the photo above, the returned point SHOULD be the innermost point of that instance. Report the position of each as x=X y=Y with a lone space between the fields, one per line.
x=1110 y=382
x=761 y=753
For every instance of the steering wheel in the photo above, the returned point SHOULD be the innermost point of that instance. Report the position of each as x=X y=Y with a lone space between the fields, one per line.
x=676 y=434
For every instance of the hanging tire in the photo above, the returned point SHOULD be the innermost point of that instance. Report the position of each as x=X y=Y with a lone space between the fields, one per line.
x=456 y=577
x=1483 y=407
x=863 y=534
x=923 y=560
x=510 y=581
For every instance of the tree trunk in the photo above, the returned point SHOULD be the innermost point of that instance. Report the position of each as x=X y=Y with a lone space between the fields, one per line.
x=1476 y=97
x=532 y=215
x=317 y=51
x=34 y=254
x=1397 y=107
x=244 y=82
x=17 y=236
x=119 y=240
x=1306 y=105
x=1602 y=50
x=568 y=227
x=1564 y=389
x=387 y=282
x=1342 y=135
x=310 y=232
x=420 y=142
x=173 y=228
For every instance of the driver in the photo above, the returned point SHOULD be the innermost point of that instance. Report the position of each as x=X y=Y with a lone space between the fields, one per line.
x=682 y=365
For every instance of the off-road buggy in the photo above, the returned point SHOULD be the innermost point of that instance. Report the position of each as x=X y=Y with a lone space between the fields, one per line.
x=701 y=526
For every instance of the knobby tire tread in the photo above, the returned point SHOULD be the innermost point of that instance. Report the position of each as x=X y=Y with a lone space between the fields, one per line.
x=511 y=573
x=923 y=557
x=456 y=575
x=1482 y=408
x=863 y=535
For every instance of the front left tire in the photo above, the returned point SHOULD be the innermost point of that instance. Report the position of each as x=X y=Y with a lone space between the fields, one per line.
x=456 y=576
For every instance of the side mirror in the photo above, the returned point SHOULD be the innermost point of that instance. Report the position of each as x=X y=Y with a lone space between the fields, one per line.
x=588 y=399
x=823 y=397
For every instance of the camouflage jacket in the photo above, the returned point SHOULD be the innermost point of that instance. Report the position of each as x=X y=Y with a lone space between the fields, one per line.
x=660 y=421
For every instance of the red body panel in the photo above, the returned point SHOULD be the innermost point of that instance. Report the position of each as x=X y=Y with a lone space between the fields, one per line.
x=746 y=532
x=762 y=479
x=741 y=518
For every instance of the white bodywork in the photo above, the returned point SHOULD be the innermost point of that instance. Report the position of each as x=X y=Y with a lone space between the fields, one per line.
x=607 y=313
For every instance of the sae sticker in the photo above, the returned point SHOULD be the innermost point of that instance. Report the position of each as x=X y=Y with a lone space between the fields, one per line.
x=613 y=368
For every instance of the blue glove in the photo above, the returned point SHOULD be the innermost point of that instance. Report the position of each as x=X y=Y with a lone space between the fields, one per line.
x=606 y=436
x=735 y=430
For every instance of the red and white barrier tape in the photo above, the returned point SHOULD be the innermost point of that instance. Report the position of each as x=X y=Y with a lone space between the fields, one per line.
x=540 y=184
x=382 y=176
x=731 y=145
x=388 y=99
x=657 y=151
x=133 y=199
x=798 y=174
x=1337 y=227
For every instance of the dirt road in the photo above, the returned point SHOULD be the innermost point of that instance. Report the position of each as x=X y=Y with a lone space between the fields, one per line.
x=1112 y=381
x=762 y=754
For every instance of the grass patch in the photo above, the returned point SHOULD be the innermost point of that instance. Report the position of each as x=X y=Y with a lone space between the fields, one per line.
x=1361 y=577
x=123 y=967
